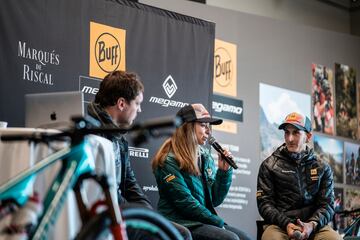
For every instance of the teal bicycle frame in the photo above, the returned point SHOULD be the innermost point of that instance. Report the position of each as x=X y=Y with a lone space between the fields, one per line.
x=76 y=161
x=77 y=165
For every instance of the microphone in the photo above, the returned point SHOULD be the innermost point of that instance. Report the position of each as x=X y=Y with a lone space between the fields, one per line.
x=297 y=235
x=219 y=149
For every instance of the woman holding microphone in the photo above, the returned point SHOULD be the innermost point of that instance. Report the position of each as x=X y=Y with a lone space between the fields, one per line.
x=189 y=184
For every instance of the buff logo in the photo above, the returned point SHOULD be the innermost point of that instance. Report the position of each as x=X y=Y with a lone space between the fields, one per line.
x=107 y=52
x=139 y=152
x=223 y=67
x=222 y=107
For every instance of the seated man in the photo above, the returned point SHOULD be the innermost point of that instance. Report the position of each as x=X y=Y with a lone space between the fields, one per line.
x=295 y=190
x=116 y=105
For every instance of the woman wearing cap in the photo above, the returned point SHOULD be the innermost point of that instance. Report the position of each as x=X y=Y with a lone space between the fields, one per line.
x=189 y=184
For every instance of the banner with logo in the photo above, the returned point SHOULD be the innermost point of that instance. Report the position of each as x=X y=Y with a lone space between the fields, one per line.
x=71 y=45
x=225 y=68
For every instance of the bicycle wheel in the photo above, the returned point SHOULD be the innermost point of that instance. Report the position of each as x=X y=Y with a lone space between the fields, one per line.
x=140 y=223
x=134 y=214
x=96 y=228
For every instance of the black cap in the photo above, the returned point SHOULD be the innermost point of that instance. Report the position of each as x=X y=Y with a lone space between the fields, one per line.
x=197 y=113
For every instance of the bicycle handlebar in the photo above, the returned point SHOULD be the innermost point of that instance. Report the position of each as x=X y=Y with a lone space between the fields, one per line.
x=88 y=125
x=348 y=212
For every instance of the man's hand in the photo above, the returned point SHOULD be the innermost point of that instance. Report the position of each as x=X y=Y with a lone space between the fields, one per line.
x=291 y=228
x=307 y=228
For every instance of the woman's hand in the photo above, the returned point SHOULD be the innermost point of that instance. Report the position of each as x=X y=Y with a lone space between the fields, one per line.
x=222 y=164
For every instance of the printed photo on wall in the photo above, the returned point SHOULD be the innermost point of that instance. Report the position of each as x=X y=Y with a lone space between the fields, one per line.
x=323 y=99
x=275 y=104
x=331 y=151
x=358 y=110
x=345 y=92
x=352 y=163
x=338 y=220
x=352 y=203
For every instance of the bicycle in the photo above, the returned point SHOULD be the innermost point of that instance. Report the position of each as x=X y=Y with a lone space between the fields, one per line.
x=74 y=170
x=352 y=231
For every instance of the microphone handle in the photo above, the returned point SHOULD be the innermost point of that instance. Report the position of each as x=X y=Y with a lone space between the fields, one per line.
x=230 y=161
x=297 y=235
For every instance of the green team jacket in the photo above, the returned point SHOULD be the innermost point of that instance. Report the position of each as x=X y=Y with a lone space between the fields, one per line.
x=182 y=196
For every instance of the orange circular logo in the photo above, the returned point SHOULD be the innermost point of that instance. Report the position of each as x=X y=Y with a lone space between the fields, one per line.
x=107 y=52
x=223 y=67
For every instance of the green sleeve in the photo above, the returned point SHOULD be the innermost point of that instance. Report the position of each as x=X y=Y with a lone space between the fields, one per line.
x=221 y=186
x=172 y=184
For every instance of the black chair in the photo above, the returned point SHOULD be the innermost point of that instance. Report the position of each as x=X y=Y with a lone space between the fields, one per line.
x=260 y=228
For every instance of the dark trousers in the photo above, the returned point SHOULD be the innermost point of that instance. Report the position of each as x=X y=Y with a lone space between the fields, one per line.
x=206 y=231
x=185 y=233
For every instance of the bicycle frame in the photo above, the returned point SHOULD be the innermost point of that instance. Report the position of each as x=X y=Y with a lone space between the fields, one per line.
x=76 y=161
x=77 y=165
x=354 y=228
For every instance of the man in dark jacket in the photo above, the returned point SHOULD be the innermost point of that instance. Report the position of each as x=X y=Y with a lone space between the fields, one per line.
x=116 y=105
x=295 y=191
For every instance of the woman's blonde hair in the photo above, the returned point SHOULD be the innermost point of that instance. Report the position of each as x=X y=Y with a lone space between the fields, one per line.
x=183 y=144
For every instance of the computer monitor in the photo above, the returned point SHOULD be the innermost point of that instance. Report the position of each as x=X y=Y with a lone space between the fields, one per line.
x=52 y=110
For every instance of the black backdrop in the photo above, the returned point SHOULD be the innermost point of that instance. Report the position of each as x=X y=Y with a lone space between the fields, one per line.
x=46 y=47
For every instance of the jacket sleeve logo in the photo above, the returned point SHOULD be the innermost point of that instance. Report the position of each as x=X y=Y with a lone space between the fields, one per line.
x=169 y=178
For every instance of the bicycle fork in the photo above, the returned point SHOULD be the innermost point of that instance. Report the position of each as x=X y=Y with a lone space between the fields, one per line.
x=117 y=225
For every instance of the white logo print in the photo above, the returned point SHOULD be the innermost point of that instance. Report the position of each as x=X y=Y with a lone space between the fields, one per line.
x=139 y=152
x=169 y=86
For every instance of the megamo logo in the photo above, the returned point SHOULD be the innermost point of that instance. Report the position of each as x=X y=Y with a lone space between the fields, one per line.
x=107 y=52
x=170 y=87
x=107 y=49
x=90 y=90
x=222 y=107
x=223 y=67
x=139 y=152
x=228 y=108
x=89 y=87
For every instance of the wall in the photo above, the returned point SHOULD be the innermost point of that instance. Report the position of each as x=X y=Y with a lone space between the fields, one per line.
x=310 y=13
x=355 y=23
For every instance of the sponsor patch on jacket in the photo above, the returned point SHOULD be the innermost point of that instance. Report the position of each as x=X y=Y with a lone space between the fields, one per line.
x=314 y=174
x=259 y=193
x=169 y=178
x=313 y=171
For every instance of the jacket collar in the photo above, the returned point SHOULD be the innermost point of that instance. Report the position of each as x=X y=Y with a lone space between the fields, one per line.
x=99 y=113
x=306 y=156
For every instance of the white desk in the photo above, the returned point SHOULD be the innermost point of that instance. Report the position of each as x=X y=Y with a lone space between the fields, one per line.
x=17 y=156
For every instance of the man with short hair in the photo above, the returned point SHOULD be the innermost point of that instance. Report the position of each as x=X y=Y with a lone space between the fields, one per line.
x=295 y=190
x=116 y=105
